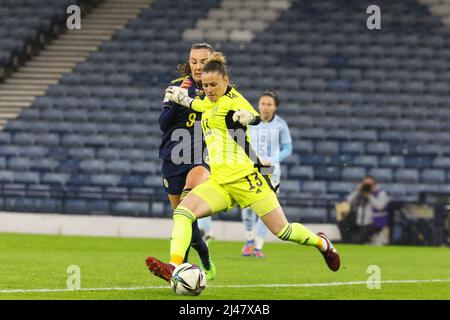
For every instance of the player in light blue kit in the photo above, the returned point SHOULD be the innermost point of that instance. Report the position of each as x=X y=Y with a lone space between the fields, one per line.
x=272 y=142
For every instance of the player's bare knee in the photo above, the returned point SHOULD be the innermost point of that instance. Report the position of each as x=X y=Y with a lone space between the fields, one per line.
x=196 y=205
x=196 y=176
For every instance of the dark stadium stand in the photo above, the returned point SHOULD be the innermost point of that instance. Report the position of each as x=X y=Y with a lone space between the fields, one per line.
x=23 y=24
x=358 y=102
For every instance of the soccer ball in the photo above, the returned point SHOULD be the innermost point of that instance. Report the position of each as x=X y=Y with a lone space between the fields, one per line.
x=188 y=279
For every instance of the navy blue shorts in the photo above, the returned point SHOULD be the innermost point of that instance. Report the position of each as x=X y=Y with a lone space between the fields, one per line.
x=174 y=176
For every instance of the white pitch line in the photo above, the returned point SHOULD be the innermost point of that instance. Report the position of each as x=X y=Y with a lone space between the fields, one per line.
x=280 y=285
x=83 y=289
x=327 y=284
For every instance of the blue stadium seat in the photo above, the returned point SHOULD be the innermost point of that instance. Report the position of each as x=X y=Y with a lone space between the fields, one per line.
x=392 y=161
x=433 y=176
x=134 y=154
x=124 y=141
x=73 y=140
x=118 y=167
x=34 y=151
x=44 y=165
x=5 y=138
x=327 y=173
x=55 y=178
x=9 y=151
x=105 y=180
x=417 y=161
x=302 y=172
x=26 y=177
x=47 y=139
x=406 y=175
x=422 y=137
x=352 y=147
x=367 y=161
x=303 y=146
x=3 y=162
x=76 y=206
x=98 y=207
x=97 y=141
x=353 y=174
x=87 y=128
x=52 y=115
x=30 y=114
x=312 y=133
x=403 y=148
x=6 y=176
x=86 y=192
x=339 y=134
x=315 y=187
x=396 y=190
x=313 y=215
x=23 y=204
x=378 y=148
x=132 y=181
x=381 y=174
x=132 y=208
x=82 y=153
x=392 y=136
x=442 y=162
x=80 y=180
x=100 y=116
x=144 y=167
x=108 y=153
x=61 y=127
x=92 y=166
x=314 y=160
x=365 y=135
x=341 y=187
x=326 y=147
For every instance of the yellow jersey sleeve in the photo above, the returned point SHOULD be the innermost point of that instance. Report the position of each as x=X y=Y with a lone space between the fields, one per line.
x=200 y=105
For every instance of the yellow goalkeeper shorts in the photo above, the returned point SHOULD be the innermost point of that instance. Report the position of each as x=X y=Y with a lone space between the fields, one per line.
x=253 y=190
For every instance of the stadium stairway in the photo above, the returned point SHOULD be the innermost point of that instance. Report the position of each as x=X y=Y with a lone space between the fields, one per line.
x=62 y=54
x=439 y=8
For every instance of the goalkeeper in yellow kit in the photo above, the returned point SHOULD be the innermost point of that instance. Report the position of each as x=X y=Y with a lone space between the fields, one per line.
x=237 y=175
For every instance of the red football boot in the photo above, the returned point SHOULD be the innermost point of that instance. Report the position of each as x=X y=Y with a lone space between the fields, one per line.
x=160 y=269
x=331 y=256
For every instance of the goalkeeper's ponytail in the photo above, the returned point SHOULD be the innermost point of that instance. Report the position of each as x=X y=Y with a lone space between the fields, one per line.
x=217 y=63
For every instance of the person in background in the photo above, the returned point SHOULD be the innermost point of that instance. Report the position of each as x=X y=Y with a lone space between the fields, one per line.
x=205 y=226
x=273 y=143
x=364 y=215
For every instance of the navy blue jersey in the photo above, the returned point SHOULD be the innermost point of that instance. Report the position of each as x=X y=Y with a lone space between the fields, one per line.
x=181 y=129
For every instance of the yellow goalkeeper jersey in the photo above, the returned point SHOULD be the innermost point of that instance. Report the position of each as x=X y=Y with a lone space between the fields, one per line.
x=231 y=156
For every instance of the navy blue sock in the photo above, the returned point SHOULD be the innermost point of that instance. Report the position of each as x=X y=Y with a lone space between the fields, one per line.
x=200 y=246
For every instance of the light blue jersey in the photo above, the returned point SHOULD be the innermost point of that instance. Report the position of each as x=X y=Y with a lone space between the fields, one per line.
x=272 y=142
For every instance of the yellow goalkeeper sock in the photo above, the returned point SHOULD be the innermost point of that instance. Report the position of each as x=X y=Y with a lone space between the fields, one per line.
x=298 y=233
x=181 y=234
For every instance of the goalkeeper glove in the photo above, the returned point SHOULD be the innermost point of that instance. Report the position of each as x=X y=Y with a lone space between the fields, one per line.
x=244 y=117
x=178 y=95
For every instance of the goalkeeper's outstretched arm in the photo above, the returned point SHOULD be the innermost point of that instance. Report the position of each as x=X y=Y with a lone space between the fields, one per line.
x=180 y=96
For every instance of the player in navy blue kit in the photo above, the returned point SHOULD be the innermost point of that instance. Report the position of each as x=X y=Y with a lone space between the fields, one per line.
x=182 y=146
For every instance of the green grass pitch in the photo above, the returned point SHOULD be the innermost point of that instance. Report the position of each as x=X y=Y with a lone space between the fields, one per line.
x=31 y=262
